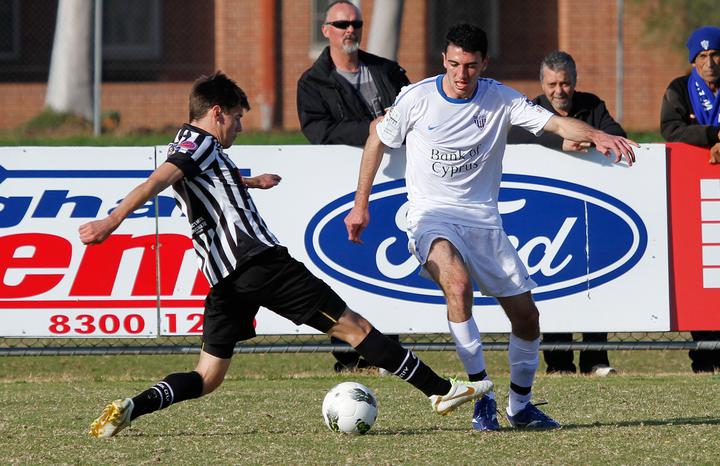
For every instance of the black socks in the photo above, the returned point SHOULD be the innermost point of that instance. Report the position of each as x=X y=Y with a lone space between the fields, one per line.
x=384 y=352
x=173 y=389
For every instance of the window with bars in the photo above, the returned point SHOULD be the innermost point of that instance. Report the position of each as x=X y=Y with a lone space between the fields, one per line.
x=9 y=29
x=131 y=29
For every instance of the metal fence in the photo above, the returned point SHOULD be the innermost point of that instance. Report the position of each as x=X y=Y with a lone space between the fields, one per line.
x=321 y=344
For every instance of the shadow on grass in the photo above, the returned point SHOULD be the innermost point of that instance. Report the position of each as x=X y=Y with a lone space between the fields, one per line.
x=681 y=421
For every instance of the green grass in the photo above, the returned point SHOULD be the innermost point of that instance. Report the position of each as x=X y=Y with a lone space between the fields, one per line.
x=268 y=412
x=8 y=138
x=646 y=137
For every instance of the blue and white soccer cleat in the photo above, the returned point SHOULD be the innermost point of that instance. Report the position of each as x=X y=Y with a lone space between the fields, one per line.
x=485 y=414
x=532 y=418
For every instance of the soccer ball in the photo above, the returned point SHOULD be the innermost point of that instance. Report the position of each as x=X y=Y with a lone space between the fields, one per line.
x=350 y=407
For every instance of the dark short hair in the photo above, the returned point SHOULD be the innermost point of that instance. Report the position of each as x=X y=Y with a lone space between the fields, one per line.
x=216 y=89
x=559 y=61
x=468 y=37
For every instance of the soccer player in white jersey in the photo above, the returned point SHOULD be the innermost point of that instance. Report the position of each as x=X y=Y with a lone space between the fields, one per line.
x=455 y=126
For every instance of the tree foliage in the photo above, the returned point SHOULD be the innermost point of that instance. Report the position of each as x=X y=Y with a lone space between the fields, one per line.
x=671 y=21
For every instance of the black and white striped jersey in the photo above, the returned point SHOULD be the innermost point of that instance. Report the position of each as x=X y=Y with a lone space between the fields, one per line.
x=227 y=229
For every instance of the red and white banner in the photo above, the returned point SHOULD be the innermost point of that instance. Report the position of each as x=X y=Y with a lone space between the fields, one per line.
x=694 y=193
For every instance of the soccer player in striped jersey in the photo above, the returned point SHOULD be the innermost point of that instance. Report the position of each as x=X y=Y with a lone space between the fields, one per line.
x=455 y=126
x=246 y=267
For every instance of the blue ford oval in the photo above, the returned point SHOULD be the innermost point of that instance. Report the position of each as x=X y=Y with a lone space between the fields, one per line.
x=570 y=237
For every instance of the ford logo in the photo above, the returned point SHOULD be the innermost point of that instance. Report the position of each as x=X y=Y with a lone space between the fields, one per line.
x=570 y=237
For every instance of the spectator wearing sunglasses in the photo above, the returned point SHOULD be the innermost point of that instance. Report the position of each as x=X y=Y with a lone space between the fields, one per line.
x=346 y=88
x=338 y=97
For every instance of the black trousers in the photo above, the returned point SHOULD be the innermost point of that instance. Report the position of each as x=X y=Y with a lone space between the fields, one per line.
x=562 y=361
x=705 y=360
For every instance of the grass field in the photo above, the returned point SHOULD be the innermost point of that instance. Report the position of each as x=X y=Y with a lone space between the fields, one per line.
x=268 y=412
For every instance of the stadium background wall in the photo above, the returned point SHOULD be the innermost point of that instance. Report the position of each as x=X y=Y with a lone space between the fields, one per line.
x=146 y=77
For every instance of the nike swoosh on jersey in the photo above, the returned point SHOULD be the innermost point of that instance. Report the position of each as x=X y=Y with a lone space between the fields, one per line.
x=430 y=128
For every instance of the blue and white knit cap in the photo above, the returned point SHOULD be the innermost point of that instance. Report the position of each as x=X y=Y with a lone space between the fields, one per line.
x=704 y=38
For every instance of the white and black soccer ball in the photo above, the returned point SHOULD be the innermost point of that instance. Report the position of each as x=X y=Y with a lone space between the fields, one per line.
x=350 y=407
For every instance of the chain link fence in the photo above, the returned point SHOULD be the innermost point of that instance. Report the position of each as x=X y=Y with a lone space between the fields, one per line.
x=320 y=344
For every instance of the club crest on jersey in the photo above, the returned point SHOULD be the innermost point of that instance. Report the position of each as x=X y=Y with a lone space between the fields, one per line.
x=187 y=145
x=480 y=119
x=172 y=148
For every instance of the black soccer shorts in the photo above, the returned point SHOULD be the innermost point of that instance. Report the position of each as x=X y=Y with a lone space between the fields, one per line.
x=272 y=279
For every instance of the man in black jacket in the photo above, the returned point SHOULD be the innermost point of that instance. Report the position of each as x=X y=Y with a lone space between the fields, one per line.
x=679 y=120
x=338 y=97
x=558 y=76
x=690 y=113
x=346 y=88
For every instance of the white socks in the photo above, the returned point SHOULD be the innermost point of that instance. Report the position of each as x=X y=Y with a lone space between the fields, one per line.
x=522 y=354
x=468 y=345
x=523 y=357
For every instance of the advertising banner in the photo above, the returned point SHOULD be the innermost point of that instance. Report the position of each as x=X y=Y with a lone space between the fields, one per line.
x=694 y=186
x=51 y=285
x=592 y=234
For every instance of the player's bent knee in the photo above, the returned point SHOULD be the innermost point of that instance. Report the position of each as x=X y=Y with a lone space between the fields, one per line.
x=211 y=383
x=212 y=369
x=459 y=292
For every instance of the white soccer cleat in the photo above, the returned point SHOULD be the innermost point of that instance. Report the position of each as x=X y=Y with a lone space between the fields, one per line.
x=602 y=370
x=114 y=418
x=460 y=392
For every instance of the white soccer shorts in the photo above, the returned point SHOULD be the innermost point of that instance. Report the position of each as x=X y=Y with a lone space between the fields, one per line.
x=491 y=259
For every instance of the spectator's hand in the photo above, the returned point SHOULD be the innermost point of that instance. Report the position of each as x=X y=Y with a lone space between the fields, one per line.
x=574 y=146
x=264 y=181
x=608 y=145
x=355 y=223
x=715 y=154
x=97 y=231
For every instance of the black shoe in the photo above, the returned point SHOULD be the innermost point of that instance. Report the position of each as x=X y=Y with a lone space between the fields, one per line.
x=560 y=370
x=702 y=368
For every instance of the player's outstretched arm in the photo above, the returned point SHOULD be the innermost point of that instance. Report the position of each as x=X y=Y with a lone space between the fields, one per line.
x=97 y=231
x=579 y=131
x=264 y=181
x=359 y=215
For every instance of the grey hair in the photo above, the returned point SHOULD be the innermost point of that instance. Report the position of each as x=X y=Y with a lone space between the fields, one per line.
x=559 y=61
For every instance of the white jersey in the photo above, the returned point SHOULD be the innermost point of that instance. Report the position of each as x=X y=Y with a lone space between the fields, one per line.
x=455 y=148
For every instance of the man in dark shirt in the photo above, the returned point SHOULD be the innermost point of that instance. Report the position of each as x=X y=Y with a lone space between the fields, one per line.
x=346 y=88
x=690 y=113
x=338 y=97
x=694 y=117
x=558 y=77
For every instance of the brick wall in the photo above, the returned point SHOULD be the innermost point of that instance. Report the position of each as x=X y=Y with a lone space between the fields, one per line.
x=588 y=31
x=584 y=28
x=141 y=105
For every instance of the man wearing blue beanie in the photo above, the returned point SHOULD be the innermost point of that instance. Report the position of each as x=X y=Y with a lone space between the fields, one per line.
x=691 y=105
x=691 y=113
